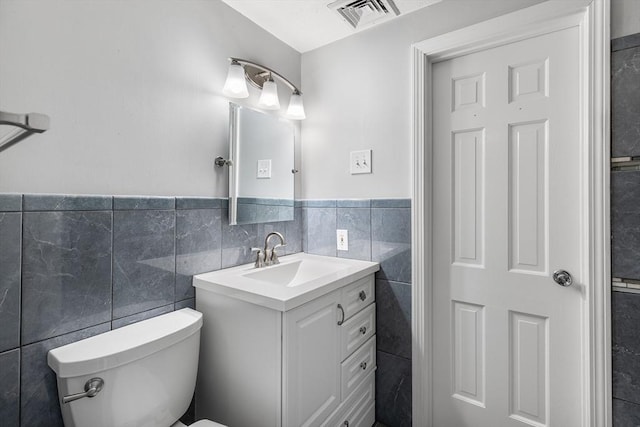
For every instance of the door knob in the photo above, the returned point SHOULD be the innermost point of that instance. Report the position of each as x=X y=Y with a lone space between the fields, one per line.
x=562 y=278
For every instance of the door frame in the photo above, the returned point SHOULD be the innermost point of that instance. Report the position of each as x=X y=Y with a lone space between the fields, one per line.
x=592 y=18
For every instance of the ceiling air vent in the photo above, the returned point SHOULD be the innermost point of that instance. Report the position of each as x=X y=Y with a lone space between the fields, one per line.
x=363 y=13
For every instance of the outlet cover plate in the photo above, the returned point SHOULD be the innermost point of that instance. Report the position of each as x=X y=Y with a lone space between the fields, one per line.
x=360 y=162
x=342 y=240
x=264 y=169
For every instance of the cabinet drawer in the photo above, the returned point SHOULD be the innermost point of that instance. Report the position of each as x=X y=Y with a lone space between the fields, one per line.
x=355 y=331
x=358 y=409
x=358 y=366
x=358 y=295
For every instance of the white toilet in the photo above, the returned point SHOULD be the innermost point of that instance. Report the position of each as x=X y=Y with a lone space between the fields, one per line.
x=145 y=373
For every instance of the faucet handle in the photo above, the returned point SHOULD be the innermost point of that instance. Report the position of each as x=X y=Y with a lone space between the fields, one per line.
x=260 y=257
x=274 y=254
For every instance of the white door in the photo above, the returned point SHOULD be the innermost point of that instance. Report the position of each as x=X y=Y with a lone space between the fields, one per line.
x=506 y=197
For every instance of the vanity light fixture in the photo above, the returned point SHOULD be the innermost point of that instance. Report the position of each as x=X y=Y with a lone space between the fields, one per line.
x=261 y=77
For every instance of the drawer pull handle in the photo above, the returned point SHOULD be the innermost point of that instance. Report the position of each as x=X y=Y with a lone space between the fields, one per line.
x=363 y=330
x=362 y=295
x=341 y=321
x=363 y=365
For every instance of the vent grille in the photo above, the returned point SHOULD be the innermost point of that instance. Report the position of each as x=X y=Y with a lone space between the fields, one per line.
x=363 y=13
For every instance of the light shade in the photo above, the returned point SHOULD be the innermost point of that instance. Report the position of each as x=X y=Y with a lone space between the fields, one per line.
x=236 y=85
x=269 y=97
x=296 y=109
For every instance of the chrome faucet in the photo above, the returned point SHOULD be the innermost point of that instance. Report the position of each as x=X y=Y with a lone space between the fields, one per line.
x=268 y=256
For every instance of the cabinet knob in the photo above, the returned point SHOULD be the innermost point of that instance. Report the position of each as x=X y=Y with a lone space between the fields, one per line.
x=346 y=423
x=363 y=365
x=362 y=295
x=363 y=330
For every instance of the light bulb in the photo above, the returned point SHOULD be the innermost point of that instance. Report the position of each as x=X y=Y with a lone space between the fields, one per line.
x=236 y=85
x=269 y=97
x=296 y=109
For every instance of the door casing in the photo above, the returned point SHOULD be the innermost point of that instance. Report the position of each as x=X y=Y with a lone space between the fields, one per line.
x=592 y=18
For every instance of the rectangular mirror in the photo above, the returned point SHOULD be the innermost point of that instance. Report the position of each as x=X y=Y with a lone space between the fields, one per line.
x=261 y=174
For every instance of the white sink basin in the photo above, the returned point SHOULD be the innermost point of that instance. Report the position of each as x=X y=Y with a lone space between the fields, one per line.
x=298 y=278
x=296 y=272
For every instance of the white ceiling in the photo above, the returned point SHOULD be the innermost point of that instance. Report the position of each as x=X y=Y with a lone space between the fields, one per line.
x=307 y=24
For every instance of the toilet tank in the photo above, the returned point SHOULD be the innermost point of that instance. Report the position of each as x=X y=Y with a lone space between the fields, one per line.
x=149 y=370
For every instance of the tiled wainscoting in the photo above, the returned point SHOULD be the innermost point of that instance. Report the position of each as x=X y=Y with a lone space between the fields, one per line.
x=625 y=228
x=75 y=266
x=379 y=230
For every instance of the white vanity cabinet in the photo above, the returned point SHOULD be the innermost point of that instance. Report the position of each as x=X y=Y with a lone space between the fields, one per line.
x=312 y=365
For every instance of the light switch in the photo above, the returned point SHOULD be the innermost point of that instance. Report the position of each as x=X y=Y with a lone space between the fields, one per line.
x=360 y=162
x=342 y=240
x=264 y=169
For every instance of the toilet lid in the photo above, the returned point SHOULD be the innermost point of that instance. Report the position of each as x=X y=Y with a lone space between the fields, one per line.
x=206 y=423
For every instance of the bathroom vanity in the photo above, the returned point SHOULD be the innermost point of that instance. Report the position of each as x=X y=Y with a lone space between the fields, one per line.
x=288 y=345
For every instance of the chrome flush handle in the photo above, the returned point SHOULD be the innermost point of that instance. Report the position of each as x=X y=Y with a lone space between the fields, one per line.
x=91 y=388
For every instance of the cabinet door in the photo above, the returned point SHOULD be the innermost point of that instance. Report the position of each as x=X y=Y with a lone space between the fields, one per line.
x=311 y=365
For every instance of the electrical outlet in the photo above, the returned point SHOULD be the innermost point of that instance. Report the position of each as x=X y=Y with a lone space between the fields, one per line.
x=264 y=169
x=342 y=240
x=360 y=162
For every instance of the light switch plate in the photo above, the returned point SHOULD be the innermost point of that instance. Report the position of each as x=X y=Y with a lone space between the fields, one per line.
x=264 y=169
x=342 y=240
x=360 y=162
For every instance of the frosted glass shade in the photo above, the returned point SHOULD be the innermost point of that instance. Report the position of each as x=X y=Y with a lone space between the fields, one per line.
x=269 y=97
x=296 y=109
x=236 y=85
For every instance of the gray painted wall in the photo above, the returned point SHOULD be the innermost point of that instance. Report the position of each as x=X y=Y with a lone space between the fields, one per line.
x=625 y=18
x=358 y=96
x=133 y=89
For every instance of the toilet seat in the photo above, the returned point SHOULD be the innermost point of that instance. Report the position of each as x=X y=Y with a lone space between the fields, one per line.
x=206 y=423
x=201 y=423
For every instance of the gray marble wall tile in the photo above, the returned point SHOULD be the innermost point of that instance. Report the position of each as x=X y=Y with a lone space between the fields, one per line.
x=143 y=260
x=393 y=390
x=66 y=202
x=66 y=272
x=10 y=252
x=198 y=246
x=357 y=221
x=625 y=414
x=391 y=242
x=625 y=102
x=198 y=203
x=237 y=241
x=293 y=233
x=143 y=202
x=10 y=389
x=318 y=203
x=353 y=203
x=625 y=227
x=320 y=231
x=625 y=314
x=135 y=318
x=187 y=303
x=625 y=42
x=38 y=388
x=246 y=214
x=393 y=318
x=391 y=203
x=10 y=202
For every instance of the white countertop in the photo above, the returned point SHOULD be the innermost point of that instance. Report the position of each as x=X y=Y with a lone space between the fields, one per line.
x=308 y=277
